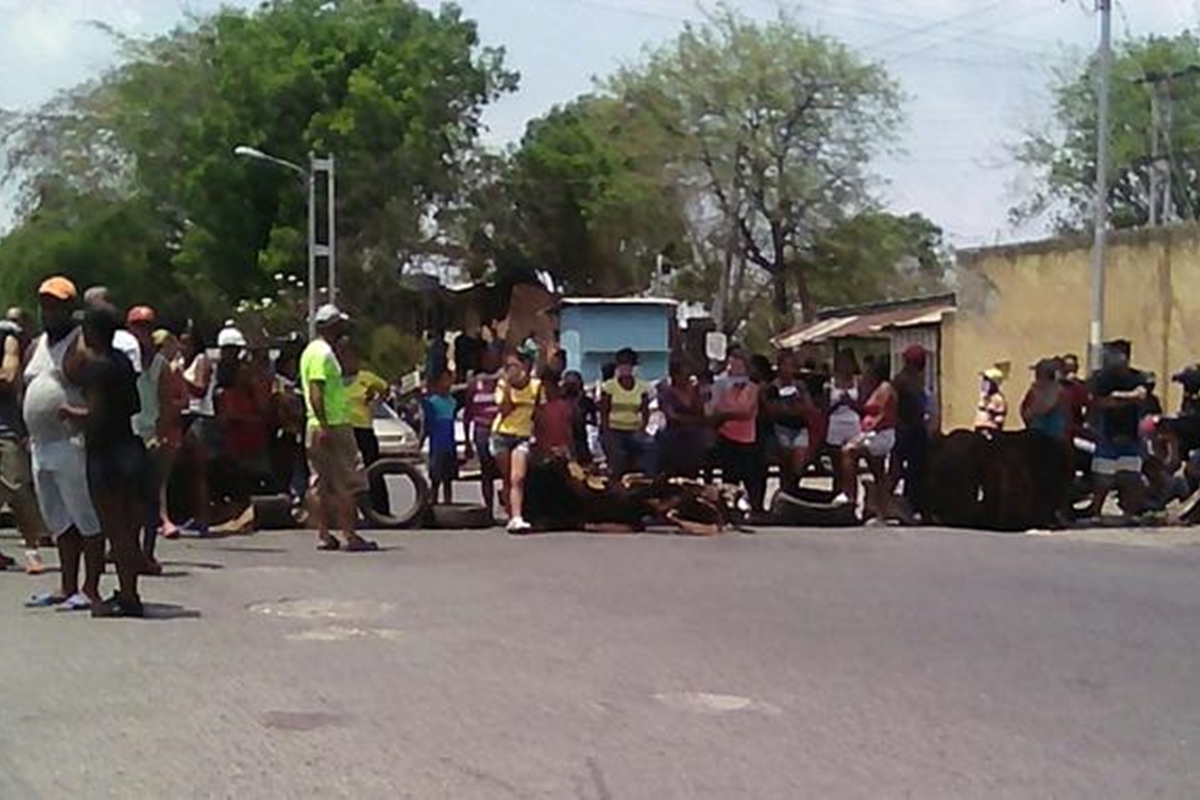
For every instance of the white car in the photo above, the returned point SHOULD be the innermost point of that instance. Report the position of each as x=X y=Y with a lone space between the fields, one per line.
x=396 y=437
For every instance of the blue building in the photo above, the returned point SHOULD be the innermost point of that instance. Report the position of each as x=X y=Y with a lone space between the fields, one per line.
x=593 y=329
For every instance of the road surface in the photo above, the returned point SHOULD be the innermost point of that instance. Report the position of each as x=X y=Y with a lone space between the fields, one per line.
x=789 y=664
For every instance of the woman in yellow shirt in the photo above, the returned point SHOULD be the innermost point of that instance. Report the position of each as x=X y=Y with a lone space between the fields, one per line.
x=363 y=390
x=517 y=396
x=624 y=412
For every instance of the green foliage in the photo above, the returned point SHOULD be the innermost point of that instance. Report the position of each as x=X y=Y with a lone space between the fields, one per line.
x=1063 y=158
x=392 y=354
x=771 y=126
x=395 y=91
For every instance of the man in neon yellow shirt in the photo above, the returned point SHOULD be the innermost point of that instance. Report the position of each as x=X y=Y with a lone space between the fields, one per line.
x=333 y=457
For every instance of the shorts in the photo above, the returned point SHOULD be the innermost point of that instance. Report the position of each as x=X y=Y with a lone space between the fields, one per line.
x=60 y=480
x=481 y=438
x=16 y=472
x=121 y=467
x=506 y=443
x=1112 y=459
x=791 y=439
x=879 y=444
x=443 y=466
x=334 y=464
x=843 y=430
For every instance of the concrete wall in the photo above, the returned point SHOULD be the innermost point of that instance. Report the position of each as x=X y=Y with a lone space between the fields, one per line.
x=1024 y=302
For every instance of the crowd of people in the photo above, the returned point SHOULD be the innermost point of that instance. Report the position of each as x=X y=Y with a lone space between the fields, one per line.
x=740 y=420
x=112 y=427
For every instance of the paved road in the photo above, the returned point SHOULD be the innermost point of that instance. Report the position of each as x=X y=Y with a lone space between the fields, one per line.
x=790 y=664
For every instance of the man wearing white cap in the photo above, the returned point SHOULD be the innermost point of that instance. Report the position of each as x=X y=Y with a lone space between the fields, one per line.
x=333 y=457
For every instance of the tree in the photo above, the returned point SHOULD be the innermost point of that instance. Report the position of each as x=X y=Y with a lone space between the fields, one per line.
x=1063 y=157
x=772 y=130
x=395 y=91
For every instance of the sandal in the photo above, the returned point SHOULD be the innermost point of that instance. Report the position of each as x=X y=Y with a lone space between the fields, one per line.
x=329 y=545
x=76 y=602
x=45 y=600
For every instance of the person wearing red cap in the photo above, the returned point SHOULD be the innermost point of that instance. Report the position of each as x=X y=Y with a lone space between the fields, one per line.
x=56 y=446
x=154 y=393
x=912 y=427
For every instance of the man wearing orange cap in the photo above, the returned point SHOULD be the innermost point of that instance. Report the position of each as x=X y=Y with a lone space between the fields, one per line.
x=56 y=446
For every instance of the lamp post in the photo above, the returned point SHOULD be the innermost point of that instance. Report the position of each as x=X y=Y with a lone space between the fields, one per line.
x=329 y=251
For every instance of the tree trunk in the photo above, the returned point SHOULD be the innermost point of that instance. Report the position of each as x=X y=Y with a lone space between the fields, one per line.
x=779 y=283
x=808 y=311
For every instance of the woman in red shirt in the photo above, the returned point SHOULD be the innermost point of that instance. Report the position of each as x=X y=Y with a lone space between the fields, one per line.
x=875 y=443
x=735 y=413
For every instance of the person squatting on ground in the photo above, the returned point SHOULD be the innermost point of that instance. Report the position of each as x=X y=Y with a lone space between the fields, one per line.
x=334 y=461
x=116 y=457
x=16 y=475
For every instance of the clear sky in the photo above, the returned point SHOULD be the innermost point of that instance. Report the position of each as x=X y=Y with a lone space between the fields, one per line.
x=976 y=71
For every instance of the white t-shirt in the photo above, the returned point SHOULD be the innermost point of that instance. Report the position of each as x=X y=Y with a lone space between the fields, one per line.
x=47 y=391
x=127 y=343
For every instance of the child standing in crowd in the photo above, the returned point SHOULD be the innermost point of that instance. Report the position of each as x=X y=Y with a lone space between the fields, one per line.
x=624 y=412
x=479 y=416
x=438 y=409
x=790 y=408
x=516 y=396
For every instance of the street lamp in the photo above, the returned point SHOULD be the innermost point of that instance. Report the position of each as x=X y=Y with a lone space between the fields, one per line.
x=329 y=251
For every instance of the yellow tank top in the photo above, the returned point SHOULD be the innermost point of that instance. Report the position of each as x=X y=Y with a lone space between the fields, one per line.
x=518 y=422
x=626 y=411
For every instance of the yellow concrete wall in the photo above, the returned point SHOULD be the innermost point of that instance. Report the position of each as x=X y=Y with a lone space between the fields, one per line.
x=1024 y=302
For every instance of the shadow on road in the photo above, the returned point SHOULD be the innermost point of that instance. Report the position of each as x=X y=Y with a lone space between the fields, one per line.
x=169 y=611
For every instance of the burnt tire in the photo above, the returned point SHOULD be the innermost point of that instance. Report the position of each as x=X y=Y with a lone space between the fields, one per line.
x=801 y=512
x=460 y=517
x=377 y=513
x=273 y=512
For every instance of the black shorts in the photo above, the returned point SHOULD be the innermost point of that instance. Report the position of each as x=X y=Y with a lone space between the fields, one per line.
x=120 y=466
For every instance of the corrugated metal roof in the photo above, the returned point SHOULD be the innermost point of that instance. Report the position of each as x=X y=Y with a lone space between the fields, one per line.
x=619 y=301
x=865 y=324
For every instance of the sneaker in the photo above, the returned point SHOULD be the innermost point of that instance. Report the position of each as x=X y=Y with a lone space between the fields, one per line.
x=518 y=525
x=117 y=608
x=33 y=563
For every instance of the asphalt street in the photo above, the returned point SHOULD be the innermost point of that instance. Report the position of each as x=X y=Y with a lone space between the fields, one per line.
x=875 y=663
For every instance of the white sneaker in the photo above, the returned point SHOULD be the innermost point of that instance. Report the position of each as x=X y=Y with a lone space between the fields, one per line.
x=517 y=525
x=841 y=500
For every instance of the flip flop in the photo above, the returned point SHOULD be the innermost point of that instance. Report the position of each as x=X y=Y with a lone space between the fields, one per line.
x=329 y=545
x=361 y=546
x=44 y=600
x=76 y=602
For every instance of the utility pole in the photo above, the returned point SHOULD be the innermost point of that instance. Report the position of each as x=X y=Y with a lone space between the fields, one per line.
x=1162 y=151
x=1103 y=131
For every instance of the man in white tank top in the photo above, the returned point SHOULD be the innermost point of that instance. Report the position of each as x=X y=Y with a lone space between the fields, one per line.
x=59 y=461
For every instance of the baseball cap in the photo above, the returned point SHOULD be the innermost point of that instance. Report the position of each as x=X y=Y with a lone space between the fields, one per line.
x=140 y=315
x=230 y=337
x=160 y=336
x=59 y=288
x=994 y=374
x=915 y=355
x=329 y=314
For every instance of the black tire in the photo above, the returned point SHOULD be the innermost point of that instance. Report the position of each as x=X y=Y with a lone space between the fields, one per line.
x=460 y=517
x=273 y=512
x=386 y=518
x=791 y=511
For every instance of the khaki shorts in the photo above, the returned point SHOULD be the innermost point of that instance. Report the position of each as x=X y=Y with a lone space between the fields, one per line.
x=16 y=472
x=335 y=465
